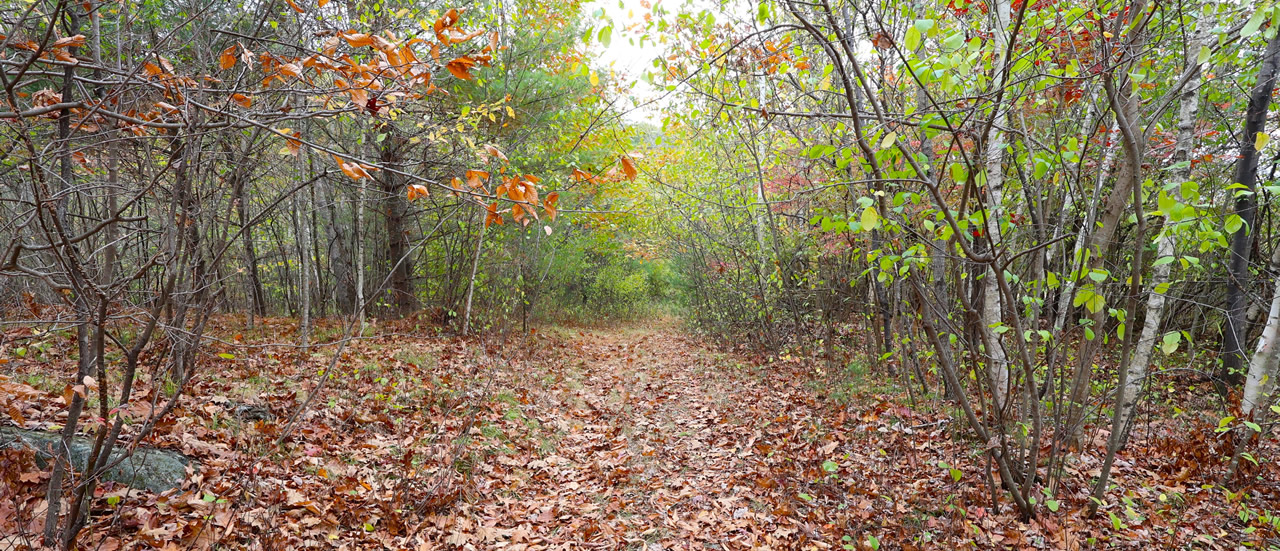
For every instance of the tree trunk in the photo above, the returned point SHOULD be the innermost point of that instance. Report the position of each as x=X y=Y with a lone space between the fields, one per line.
x=340 y=258
x=403 y=297
x=1138 y=367
x=471 y=281
x=1246 y=206
x=257 y=296
x=992 y=311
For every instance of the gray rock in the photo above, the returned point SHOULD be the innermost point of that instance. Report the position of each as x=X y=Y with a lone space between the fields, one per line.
x=252 y=412
x=148 y=468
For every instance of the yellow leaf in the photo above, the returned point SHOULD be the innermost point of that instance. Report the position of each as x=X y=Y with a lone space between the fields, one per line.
x=870 y=219
x=889 y=140
x=1261 y=141
x=595 y=79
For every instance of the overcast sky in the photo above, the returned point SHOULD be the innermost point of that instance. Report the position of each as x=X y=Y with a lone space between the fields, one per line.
x=625 y=56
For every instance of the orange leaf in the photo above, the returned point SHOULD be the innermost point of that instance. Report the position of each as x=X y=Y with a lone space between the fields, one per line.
x=459 y=69
x=322 y=3
x=228 y=58
x=77 y=40
x=357 y=40
x=295 y=6
x=583 y=176
x=492 y=216
x=493 y=151
x=243 y=100
x=475 y=178
x=415 y=191
x=550 y=205
x=359 y=96
x=290 y=69
x=294 y=141
x=629 y=168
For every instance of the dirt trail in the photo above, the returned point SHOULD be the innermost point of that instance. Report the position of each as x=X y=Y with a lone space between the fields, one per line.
x=658 y=448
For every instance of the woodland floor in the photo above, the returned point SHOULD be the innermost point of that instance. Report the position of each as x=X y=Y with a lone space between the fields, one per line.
x=633 y=437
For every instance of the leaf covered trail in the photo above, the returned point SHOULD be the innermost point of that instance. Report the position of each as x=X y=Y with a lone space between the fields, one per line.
x=661 y=445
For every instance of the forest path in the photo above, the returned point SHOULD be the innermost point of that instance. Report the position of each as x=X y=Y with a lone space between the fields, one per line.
x=659 y=447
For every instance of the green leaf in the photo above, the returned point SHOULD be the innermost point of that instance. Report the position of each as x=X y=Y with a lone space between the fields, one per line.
x=1254 y=23
x=913 y=39
x=1052 y=504
x=1254 y=426
x=113 y=501
x=1169 y=343
x=606 y=35
x=830 y=466
x=1233 y=223
x=806 y=497
x=1115 y=521
x=1095 y=303
x=1203 y=55
x=870 y=218
x=956 y=474
x=873 y=542
x=955 y=41
x=227 y=356
x=1166 y=202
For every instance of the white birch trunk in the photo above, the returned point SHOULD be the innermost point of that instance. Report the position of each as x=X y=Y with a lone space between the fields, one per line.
x=1139 y=364
x=1260 y=382
x=359 y=239
x=997 y=363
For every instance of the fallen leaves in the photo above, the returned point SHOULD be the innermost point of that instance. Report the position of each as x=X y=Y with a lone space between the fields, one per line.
x=623 y=437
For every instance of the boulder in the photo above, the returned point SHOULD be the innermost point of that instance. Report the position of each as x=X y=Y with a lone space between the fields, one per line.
x=149 y=469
